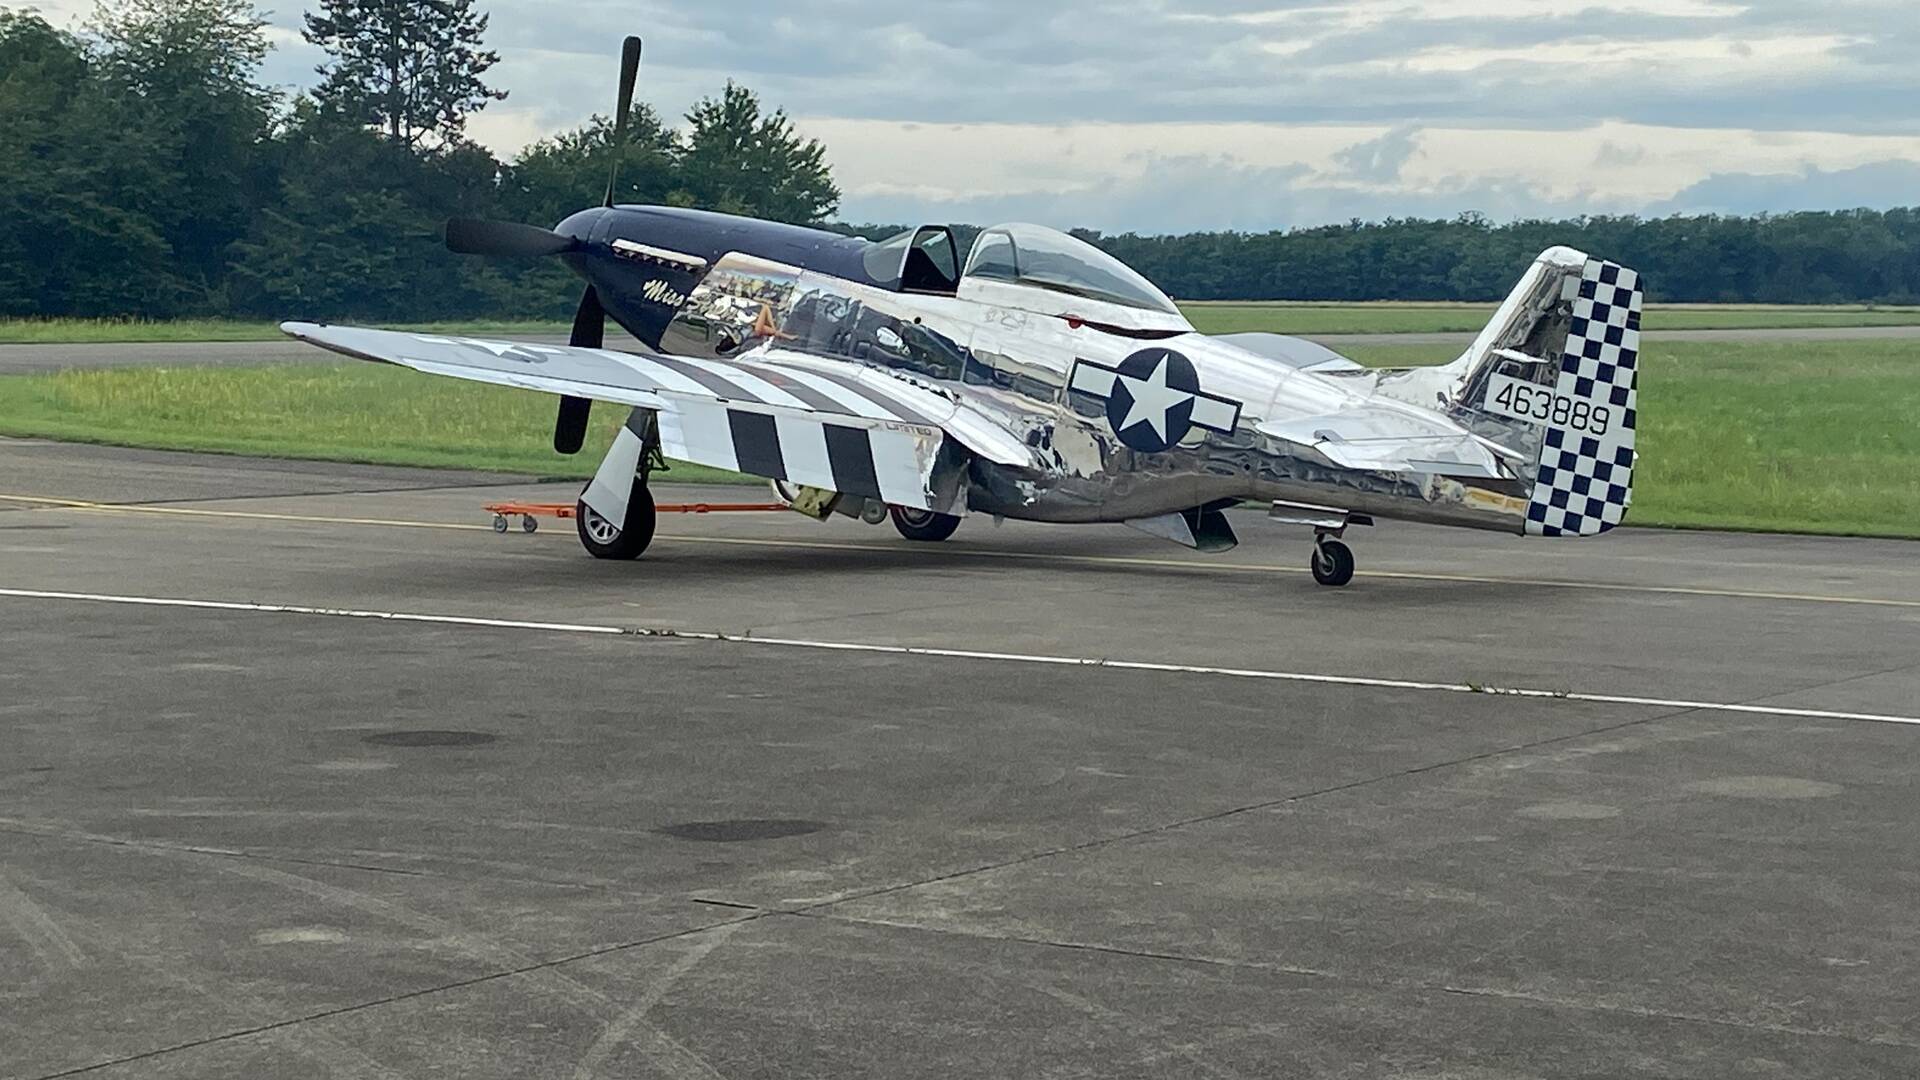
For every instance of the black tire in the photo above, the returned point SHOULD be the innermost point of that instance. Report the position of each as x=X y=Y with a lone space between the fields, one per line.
x=924 y=525
x=1332 y=563
x=626 y=542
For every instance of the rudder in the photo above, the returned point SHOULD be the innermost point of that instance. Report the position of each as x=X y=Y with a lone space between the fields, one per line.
x=1584 y=483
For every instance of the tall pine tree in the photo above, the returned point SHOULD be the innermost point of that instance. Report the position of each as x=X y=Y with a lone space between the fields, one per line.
x=409 y=67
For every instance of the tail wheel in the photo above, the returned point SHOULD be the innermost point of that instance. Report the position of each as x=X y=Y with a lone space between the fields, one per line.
x=922 y=524
x=605 y=540
x=1332 y=563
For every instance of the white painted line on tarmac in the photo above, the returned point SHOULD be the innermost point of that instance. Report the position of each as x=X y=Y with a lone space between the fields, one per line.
x=963 y=654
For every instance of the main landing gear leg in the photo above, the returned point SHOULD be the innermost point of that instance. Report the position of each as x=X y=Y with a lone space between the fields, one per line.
x=627 y=539
x=1332 y=560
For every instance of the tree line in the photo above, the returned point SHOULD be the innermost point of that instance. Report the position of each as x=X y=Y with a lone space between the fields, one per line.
x=146 y=171
x=1851 y=256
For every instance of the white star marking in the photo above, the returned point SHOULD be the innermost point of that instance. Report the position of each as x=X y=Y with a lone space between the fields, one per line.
x=1152 y=399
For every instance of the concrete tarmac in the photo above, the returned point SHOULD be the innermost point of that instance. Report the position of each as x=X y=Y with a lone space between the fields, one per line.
x=28 y=359
x=402 y=796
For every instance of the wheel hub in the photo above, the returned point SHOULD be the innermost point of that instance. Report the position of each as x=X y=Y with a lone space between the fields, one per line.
x=602 y=530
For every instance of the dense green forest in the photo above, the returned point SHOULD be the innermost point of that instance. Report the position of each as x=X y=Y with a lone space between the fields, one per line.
x=1856 y=256
x=146 y=171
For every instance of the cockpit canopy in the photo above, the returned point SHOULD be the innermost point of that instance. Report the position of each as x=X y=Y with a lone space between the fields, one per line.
x=1048 y=259
x=921 y=260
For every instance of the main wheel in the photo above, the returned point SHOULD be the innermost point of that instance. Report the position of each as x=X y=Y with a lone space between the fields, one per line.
x=922 y=524
x=605 y=540
x=1332 y=563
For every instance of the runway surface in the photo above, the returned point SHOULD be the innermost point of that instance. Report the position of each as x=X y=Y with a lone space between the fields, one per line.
x=27 y=359
x=392 y=795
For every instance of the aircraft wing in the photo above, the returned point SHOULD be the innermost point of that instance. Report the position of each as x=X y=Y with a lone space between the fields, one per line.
x=1382 y=438
x=810 y=420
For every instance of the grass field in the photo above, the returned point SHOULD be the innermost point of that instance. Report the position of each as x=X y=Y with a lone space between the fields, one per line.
x=346 y=411
x=1818 y=437
x=1806 y=437
x=1281 y=317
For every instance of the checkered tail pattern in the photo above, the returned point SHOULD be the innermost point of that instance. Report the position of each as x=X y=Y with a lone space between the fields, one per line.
x=1585 y=479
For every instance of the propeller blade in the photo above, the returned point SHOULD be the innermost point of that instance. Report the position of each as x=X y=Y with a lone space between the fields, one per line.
x=589 y=332
x=475 y=236
x=570 y=426
x=629 y=74
x=589 y=322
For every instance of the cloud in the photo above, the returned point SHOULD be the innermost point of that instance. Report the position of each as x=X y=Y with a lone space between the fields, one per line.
x=1843 y=66
x=1377 y=61
x=1210 y=194
x=1281 y=110
x=1877 y=185
x=1158 y=177
x=1379 y=160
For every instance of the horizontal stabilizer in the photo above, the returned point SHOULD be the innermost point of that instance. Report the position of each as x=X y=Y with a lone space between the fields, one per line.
x=1378 y=438
x=1295 y=352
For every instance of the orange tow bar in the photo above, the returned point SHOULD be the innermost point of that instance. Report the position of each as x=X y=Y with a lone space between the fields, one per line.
x=531 y=513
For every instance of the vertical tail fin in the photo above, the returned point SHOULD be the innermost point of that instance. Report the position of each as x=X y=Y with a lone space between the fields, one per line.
x=1554 y=377
x=1585 y=480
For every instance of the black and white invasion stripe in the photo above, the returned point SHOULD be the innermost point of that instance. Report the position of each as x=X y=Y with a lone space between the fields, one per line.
x=784 y=386
x=888 y=464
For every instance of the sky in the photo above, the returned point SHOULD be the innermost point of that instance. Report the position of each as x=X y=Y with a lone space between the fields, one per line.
x=1179 y=115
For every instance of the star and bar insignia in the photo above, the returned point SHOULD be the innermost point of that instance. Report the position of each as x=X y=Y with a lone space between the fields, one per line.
x=1154 y=399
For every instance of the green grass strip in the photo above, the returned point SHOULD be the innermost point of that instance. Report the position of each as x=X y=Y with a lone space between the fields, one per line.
x=344 y=411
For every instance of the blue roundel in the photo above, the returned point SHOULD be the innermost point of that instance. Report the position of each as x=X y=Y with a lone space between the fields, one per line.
x=1151 y=406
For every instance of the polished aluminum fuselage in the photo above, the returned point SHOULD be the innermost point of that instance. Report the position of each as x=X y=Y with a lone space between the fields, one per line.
x=1006 y=352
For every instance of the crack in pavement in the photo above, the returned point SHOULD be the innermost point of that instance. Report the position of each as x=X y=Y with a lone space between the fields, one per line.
x=1235 y=811
x=1345 y=979
x=361 y=1006
x=16 y=827
x=39 y=831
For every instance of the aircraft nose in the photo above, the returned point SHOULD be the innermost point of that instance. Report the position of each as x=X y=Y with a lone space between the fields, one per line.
x=582 y=225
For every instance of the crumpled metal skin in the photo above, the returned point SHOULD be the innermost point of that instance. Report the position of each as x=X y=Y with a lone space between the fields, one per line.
x=1012 y=366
